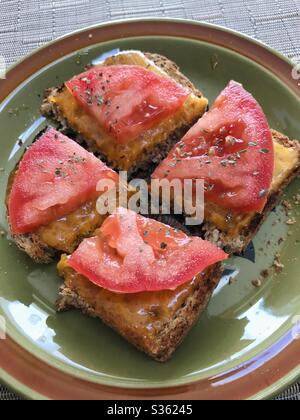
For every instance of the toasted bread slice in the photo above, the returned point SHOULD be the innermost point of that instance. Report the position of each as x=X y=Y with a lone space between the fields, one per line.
x=154 y=322
x=235 y=232
x=149 y=147
x=59 y=236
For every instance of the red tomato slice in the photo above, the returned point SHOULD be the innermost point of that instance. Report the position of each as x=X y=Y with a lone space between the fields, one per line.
x=126 y=100
x=54 y=178
x=231 y=148
x=133 y=254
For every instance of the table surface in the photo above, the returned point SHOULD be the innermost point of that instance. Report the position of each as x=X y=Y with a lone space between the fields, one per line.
x=28 y=24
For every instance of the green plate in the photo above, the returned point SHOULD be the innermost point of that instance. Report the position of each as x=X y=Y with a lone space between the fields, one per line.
x=242 y=324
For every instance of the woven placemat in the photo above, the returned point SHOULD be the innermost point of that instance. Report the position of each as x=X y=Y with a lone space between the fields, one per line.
x=28 y=24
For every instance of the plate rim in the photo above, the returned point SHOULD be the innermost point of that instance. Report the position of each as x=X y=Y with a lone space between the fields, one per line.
x=118 y=22
x=283 y=381
x=209 y=388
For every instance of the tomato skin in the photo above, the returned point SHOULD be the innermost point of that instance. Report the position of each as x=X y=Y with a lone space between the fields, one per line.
x=126 y=99
x=123 y=258
x=231 y=148
x=54 y=178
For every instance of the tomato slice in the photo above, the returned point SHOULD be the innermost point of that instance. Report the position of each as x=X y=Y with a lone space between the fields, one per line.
x=133 y=254
x=54 y=178
x=125 y=99
x=231 y=149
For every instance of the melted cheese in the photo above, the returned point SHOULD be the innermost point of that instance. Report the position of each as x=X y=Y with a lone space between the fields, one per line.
x=286 y=161
x=127 y=156
x=65 y=234
x=135 y=58
x=139 y=314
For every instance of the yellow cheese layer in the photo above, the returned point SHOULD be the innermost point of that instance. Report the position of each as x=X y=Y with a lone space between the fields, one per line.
x=136 y=315
x=286 y=161
x=126 y=156
x=66 y=234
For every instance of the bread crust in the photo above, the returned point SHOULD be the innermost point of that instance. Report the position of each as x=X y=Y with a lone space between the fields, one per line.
x=171 y=333
x=152 y=158
x=34 y=247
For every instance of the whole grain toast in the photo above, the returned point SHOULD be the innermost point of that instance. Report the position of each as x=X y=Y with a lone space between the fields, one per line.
x=240 y=243
x=64 y=236
x=156 y=335
x=149 y=159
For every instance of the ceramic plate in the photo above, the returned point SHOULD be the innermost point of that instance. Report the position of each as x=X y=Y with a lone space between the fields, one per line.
x=244 y=345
